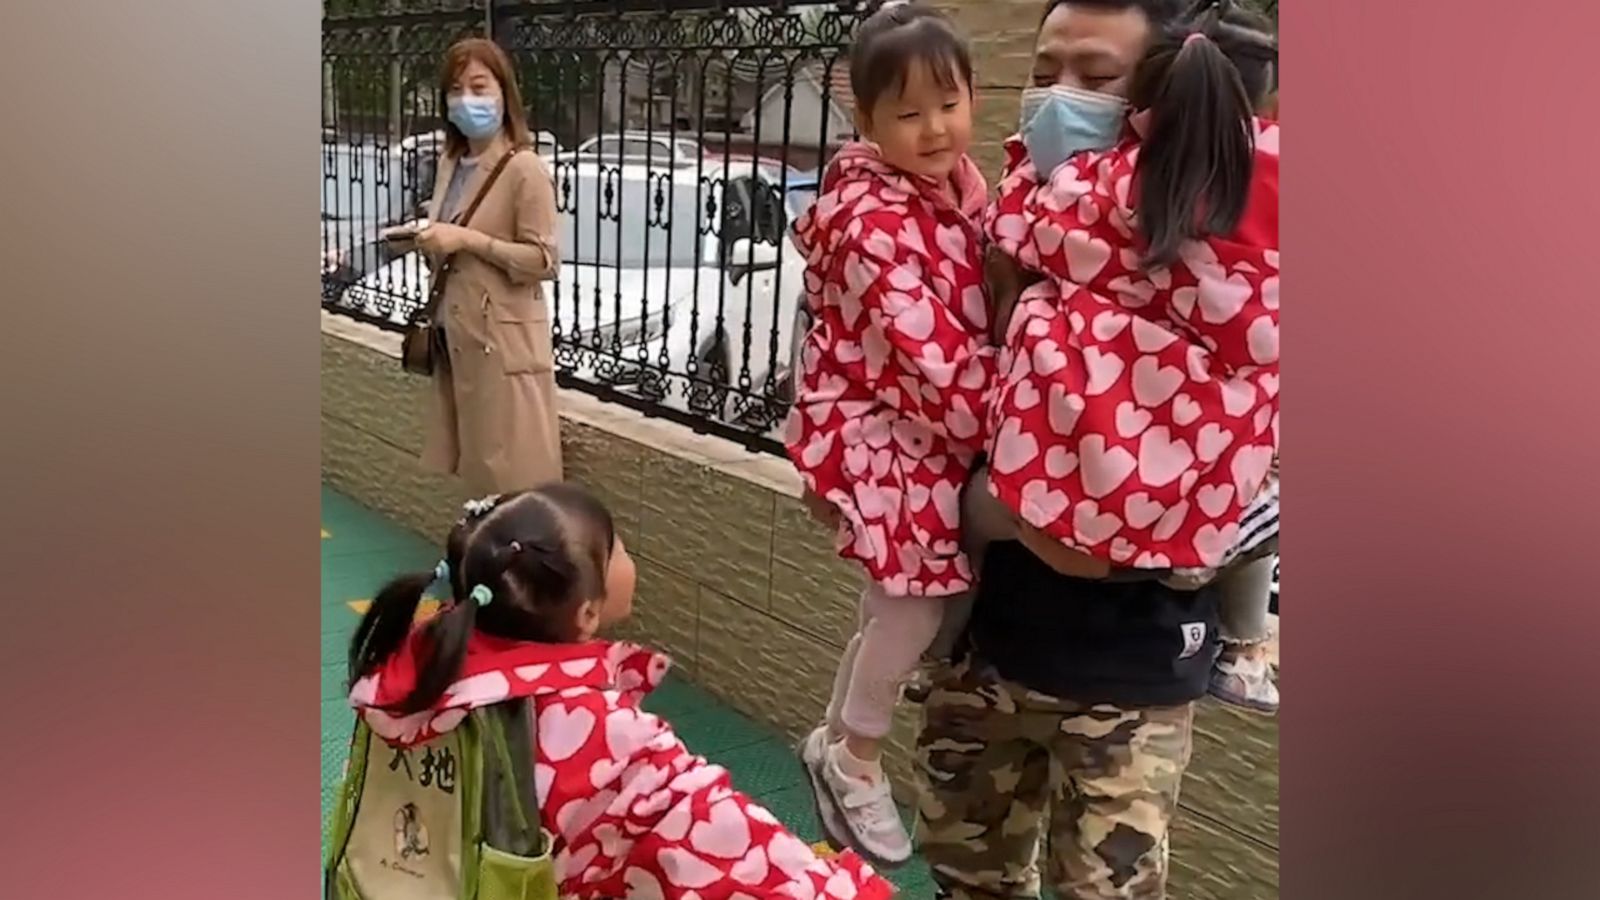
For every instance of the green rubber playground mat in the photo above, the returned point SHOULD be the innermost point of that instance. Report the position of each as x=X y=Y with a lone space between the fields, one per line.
x=361 y=550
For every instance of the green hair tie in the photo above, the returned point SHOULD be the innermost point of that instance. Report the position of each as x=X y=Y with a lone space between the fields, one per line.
x=482 y=594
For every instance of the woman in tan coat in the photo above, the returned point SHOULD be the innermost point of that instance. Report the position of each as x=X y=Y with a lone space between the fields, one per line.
x=492 y=418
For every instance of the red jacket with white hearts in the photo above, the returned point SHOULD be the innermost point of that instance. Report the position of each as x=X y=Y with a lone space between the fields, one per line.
x=896 y=370
x=633 y=813
x=1136 y=414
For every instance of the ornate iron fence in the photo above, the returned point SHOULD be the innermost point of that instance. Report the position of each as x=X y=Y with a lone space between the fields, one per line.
x=684 y=137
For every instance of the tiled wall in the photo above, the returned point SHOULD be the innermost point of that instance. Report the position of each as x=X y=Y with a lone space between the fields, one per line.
x=744 y=591
x=1001 y=35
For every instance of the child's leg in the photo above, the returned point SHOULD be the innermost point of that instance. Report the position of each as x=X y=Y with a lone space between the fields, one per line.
x=841 y=675
x=895 y=633
x=844 y=759
x=1242 y=676
x=841 y=686
x=1245 y=594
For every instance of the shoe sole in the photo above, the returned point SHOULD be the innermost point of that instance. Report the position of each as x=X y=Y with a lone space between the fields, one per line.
x=832 y=820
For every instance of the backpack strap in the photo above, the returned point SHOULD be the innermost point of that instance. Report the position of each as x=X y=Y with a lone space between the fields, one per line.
x=349 y=799
x=512 y=822
x=513 y=792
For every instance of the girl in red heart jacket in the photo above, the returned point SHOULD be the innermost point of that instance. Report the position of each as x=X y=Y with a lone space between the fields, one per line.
x=633 y=813
x=1136 y=416
x=891 y=405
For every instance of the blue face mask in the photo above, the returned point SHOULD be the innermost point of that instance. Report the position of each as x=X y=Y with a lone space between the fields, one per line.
x=477 y=117
x=1059 y=122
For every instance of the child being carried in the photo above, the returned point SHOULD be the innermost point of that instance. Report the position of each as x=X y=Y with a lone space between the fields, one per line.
x=895 y=372
x=1135 y=424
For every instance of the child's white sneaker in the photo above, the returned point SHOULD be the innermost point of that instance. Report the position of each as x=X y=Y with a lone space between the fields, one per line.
x=1244 y=681
x=813 y=750
x=854 y=802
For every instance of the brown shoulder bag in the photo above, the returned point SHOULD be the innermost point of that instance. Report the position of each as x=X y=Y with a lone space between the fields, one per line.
x=425 y=349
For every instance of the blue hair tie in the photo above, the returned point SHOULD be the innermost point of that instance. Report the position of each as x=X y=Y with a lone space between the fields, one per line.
x=482 y=594
x=441 y=572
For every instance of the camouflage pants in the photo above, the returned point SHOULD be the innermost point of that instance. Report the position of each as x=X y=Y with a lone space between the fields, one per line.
x=1000 y=761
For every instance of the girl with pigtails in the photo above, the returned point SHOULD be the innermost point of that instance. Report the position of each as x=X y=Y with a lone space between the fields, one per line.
x=533 y=577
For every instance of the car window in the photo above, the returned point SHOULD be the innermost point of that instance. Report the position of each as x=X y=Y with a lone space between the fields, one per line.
x=737 y=206
x=644 y=149
x=612 y=220
x=769 y=215
x=633 y=150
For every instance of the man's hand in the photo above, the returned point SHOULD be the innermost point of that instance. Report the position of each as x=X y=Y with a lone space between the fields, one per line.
x=821 y=510
x=1006 y=281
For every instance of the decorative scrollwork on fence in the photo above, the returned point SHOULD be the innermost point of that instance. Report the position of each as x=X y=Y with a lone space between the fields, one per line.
x=683 y=138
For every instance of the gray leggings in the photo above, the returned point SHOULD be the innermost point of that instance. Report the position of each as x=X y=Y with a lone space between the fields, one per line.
x=1244 y=601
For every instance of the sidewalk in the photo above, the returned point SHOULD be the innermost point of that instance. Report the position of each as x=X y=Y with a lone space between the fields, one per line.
x=360 y=550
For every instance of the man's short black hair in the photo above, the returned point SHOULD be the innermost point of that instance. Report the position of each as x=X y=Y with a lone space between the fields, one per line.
x=1159 y=12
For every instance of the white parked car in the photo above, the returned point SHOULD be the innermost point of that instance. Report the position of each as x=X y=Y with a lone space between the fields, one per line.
x=368 y=187
x=431 y=144
x=650 y=279
x=741 y=344
x=641 y=148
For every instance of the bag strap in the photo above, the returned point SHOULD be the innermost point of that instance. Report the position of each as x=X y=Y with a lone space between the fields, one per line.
x=348 y=801
x=430 y=310
x=502 y=752
x=494 y=175
x=528 y=820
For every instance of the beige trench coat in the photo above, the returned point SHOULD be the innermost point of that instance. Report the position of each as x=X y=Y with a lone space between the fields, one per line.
x=492 y=417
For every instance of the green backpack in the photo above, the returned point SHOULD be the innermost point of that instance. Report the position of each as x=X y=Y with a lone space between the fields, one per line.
x=456 y=818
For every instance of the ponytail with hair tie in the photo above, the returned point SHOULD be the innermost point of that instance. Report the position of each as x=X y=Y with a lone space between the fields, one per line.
x=1198 y=155
x=551 y=575
x=517 y=566
x=477 y=509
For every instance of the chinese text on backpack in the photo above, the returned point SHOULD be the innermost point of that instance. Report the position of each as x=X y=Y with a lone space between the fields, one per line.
x=456 y=818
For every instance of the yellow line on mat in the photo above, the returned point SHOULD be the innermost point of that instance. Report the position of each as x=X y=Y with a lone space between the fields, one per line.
x=424 y=609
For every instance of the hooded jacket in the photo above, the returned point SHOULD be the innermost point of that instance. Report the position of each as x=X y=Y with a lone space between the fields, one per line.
x=1136 y=414
x=896 y=369
x=633 y=813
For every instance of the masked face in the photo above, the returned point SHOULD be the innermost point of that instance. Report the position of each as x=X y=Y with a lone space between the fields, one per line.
x=1059 y=122
x=477 y=117
x=474 y=102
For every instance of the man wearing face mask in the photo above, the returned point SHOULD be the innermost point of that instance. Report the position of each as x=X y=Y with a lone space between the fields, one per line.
x=1076 y=103
x=1070 y=699
x=1085 y=52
